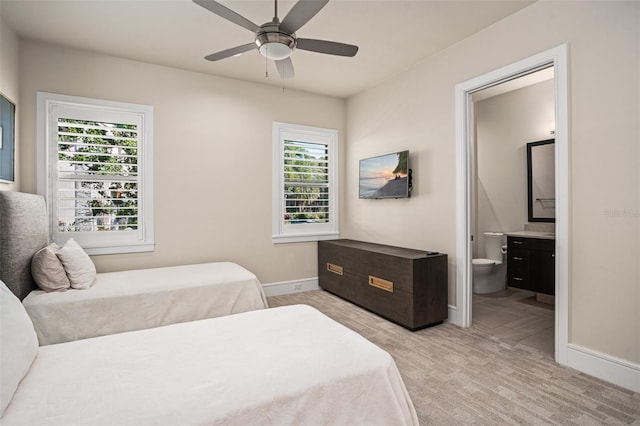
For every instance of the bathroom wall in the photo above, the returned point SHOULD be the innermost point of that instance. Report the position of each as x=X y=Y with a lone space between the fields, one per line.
x=504 y=125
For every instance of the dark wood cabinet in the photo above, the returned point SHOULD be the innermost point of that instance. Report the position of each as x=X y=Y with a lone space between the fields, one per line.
x=406 y=286
x=531 y=264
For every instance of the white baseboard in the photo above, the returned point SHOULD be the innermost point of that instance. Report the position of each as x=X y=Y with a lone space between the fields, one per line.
x=453 y=316
x=288 y=287
x=613 y=370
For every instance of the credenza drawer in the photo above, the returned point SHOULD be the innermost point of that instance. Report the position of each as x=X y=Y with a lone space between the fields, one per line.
x=396 y=270
x=338 y=259
x=396 y=305
x=339 y=284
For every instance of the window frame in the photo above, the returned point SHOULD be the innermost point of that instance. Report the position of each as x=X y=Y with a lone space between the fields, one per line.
x=95 y=242
x=301 y=232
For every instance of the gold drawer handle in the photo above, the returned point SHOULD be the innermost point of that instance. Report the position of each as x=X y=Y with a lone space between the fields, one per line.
x=381 y=284
x=335 y=268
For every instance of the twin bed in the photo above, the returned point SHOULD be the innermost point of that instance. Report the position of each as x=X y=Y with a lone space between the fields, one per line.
x=145 y=298
x=287 y=365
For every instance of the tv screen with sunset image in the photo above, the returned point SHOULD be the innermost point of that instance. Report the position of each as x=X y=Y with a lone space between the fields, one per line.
x=385 y=176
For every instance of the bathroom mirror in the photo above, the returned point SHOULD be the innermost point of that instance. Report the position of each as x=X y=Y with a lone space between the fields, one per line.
x=541 y=181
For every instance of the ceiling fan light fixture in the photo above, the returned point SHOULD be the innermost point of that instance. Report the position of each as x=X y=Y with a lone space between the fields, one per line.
x=275 y=51
x=275 y=45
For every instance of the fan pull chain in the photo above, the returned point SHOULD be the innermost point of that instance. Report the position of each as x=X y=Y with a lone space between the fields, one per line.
x=266 y=65
x=282 y=78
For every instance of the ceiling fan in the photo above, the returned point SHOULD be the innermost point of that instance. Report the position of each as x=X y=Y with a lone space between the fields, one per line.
x=277 y=40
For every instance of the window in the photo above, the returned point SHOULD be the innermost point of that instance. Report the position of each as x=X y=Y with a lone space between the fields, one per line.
x=305 y=184
x=95 y=171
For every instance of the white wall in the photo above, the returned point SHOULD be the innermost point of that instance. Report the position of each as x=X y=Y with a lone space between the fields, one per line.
x=212 y=155
x=504 y=125
x=415 y=110
x=9 y=88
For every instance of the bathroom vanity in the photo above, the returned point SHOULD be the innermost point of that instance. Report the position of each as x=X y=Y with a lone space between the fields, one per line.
x=531 y=261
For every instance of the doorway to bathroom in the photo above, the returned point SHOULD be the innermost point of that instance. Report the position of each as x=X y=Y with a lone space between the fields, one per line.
x=466 y=130
x=508 y=117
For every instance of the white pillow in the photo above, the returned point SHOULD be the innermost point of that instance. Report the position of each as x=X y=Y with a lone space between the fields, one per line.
x=47 y=270
x=77 y=264
x=18 y=345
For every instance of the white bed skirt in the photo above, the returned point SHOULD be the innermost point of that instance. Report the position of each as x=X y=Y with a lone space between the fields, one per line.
x=144 y=298
x=288 y=365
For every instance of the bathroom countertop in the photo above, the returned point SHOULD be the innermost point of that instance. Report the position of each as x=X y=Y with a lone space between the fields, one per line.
x=532 y=234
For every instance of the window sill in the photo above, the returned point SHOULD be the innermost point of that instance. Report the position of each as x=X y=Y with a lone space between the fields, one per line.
x=120 y=249
x=301 y=238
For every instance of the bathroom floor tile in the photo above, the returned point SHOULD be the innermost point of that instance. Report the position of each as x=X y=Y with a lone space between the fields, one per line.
x=495 y=319
x=481 y=309
x=513 y=317
x=542 y=341
x=507 y=334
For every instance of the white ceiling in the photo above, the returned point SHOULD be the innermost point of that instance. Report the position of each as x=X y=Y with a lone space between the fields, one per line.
x=392 y=35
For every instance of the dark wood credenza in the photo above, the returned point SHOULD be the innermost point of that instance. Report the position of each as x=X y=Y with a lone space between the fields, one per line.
x=406 y=286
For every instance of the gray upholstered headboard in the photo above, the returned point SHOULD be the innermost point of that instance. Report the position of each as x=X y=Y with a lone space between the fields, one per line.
x=23 y=231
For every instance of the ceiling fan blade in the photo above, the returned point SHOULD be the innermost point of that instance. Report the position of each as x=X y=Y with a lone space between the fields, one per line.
x=301 y=13
x=230 y=52
x=285 y=68
x=328 y=47
x=227 y=14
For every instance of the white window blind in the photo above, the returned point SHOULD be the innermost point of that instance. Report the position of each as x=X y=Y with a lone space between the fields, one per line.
x=305 y=183
x=95 y=170
x=98 y=176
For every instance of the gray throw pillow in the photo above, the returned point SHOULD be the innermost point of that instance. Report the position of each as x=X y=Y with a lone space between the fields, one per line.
x=47 y=270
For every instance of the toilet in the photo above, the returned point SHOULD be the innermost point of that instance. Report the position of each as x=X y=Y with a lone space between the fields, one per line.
x=489 y=275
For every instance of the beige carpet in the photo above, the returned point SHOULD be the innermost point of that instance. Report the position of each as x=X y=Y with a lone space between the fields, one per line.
x=465 y=376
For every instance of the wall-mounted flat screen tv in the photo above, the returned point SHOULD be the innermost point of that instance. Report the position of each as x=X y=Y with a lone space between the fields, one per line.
x=385 y=176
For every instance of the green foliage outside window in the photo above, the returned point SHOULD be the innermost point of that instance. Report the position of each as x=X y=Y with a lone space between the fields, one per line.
x=102 y=160
x=306 y=183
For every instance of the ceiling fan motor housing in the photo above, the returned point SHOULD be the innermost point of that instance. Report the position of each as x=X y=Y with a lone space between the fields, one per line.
x=275 y=43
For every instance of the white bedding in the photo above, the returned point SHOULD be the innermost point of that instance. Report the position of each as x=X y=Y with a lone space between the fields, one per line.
x=288 y=365
x=145 y=298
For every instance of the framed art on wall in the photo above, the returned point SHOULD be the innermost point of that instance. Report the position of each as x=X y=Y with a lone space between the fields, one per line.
x=7 y=139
